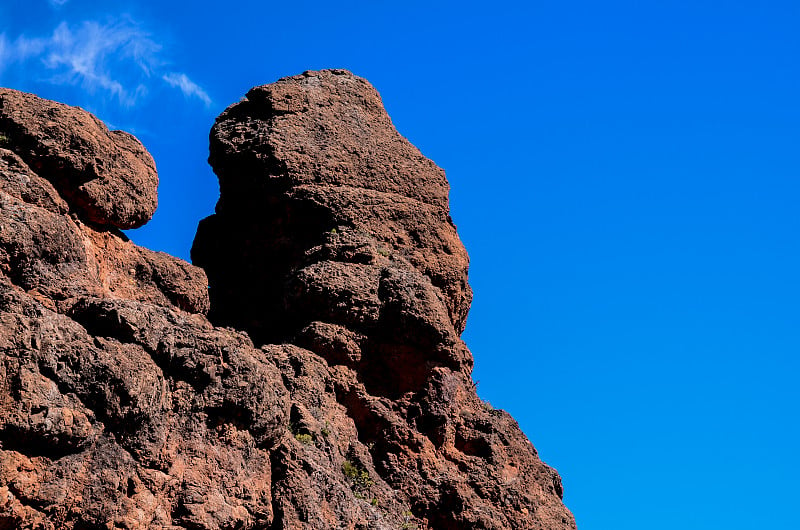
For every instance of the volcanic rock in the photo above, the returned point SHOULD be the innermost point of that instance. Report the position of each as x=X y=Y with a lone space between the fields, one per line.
x=327 y=388
x=108 y=176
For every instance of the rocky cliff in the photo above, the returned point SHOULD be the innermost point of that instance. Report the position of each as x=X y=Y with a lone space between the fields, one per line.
x=308 y=374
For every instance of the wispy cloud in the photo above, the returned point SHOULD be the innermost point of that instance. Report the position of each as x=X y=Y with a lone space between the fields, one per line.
x=20 y=49
x=57 y=3
x=118 y=58
x=187 y=86
x=90 y=54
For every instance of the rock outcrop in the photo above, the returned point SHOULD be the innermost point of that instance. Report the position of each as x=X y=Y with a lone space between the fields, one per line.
x=338 y=394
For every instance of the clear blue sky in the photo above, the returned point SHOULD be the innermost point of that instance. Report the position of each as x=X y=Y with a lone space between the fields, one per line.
x=625 y=176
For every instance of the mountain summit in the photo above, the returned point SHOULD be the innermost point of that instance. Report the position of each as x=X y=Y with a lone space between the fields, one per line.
x=306 y=372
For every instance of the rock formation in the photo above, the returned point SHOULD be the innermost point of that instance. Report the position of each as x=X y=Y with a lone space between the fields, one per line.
x=338 y=394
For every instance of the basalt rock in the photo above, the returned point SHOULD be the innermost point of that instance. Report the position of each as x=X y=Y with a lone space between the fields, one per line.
x=312 y=170
x=108 y=176
x=121 y=406
x=337 y=394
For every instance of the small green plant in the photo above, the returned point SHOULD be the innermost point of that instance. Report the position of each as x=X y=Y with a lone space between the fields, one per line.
x=374 y=501
x=302 y=437
x=3 y=139
x=383 y=251
x=326 y=431
x=359 y=477
x=333 y=230
x=305 y=439
x=408 y=524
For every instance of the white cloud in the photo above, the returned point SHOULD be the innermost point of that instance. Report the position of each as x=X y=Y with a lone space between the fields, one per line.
x=24 y=48
x=187 y=86
x=117 y=57
x=19 y=50
x=57 y=3
x=92 y=54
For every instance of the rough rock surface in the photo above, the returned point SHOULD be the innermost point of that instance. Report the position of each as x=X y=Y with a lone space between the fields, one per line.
x=108 y=176
x=340 y=394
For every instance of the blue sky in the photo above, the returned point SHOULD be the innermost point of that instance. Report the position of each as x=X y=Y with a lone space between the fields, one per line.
x=625 y=176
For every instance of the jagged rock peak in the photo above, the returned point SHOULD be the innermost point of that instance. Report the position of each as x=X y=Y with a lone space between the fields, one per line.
x=123 y=407
x=311 y=170
x=327 y=127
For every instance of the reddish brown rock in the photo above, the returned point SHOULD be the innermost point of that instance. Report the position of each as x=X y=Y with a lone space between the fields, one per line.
x=122 y=406
x=315 y=155
x=333 y=233
x=132 y=416
x=108 y=177
x=119 y=407
x=55 y=257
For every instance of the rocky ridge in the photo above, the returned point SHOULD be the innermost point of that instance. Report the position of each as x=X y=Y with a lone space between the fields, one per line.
x=315 y=378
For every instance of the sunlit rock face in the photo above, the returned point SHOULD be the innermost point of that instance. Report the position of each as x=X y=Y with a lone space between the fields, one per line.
x=337 y=394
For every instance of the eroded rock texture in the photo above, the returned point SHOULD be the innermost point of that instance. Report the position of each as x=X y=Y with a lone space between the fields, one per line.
x=339 y=395
x=332 y=233
x=107 y=176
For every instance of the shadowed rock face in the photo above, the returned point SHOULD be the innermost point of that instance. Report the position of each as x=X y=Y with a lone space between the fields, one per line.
x=312 y=171
x=123 y=406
